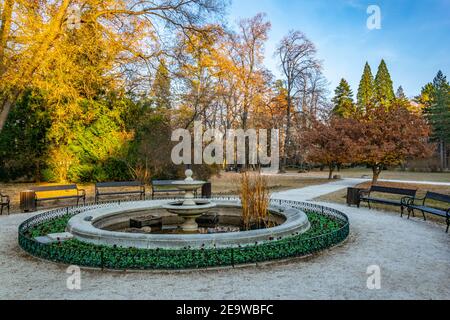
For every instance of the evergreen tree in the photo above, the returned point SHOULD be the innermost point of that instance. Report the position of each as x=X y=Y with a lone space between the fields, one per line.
x=384 y=90
x=400 y=94
x=161 y=87
x=366 y=89
x=426 y=95
x=343 y=100
x=439 y=114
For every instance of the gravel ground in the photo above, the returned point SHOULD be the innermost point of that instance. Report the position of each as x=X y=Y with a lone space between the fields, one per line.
x=413 y=256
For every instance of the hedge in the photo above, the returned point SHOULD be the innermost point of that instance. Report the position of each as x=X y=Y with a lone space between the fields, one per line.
x=329 y=227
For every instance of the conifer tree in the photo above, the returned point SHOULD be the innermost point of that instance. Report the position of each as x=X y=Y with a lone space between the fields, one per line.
x=400 y=93
x=343 y=100
x=384 y=90
x=366 y=90
x=438 y=114
x=161 y=87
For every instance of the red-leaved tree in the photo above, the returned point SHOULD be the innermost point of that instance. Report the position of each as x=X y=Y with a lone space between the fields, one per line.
x=333 y=142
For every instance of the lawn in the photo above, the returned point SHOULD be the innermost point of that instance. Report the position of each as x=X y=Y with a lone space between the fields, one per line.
x=387 y=174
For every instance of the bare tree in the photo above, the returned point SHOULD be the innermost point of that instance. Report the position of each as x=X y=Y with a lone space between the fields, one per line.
x=298 y=62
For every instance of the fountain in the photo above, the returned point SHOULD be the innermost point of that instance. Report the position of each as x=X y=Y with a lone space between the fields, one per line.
x=189 y=208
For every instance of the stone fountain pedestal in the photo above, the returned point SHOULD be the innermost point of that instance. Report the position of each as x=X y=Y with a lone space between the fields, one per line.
x=190 y=208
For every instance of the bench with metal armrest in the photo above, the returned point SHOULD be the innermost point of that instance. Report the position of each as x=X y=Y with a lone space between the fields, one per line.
x=80 y=193
x=99 y=189
x=365 y=195
x=413 y=203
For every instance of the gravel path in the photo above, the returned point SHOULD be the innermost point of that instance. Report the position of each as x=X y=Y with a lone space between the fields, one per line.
x=413 y=255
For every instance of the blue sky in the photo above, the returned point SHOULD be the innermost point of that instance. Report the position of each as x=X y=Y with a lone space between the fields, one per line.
x=414 y=38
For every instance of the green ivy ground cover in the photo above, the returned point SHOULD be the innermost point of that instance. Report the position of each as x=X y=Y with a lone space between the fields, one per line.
x=325 y=232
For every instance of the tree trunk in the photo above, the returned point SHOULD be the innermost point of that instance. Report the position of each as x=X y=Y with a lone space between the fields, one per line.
x=330 y=172
x=53 y=32
x=287 y=137
x=376 y=173
x=442 y=154
x=5 y=29
x=4 y=112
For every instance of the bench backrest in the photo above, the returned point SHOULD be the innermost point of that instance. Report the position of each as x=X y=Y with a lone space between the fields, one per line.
x=118 y=184
x=55 y=188
x=405 y=192
x=437 y=197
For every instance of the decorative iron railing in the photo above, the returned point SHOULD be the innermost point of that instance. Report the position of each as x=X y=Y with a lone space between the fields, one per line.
x=77 y=253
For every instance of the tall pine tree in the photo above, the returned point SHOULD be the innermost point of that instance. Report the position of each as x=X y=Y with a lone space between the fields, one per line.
x=343 y=100
x=161 y=87
x=438 y=114
x=384 y=90
x=366 y=90
x=400 y=93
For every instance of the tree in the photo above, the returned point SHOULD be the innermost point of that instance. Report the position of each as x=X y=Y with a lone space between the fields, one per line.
x=297 y=61
x=438 y=114
x=333 y=142
x=390 y=137
x=249 y=58
x=400 y=94
x=366 y=90
x=384 y=90
x=343 y=100
x=161 y=87
x=41 y=28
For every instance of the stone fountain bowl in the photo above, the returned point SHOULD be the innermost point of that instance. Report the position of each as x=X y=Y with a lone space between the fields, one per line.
x=200 y=207
x=188 y=185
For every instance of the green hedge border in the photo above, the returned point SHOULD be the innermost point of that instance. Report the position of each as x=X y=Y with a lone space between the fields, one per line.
x=115 y=258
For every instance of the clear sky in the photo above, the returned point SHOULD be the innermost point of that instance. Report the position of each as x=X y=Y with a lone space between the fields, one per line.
x=414 y=38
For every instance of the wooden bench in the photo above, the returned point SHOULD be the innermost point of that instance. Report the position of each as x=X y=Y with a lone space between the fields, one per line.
x=411 y=204
x=140 y=189
x=81 y=193
x=165 y=186
x=365 y=195
x=4 y=202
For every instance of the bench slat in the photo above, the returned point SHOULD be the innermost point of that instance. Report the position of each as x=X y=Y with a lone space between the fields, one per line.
x=118 y=184
x=119 y=193
x=56 y=198
x=55 y=188
x=434 y=211
x=400 y=191
x=437 y=196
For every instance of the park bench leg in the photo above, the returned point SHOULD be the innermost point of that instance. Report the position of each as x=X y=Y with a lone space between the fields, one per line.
x=424 y=218
x=368 y=203
x=1 y=210
x=401 y=210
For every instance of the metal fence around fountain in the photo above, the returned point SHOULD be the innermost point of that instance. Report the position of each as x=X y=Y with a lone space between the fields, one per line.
x=88 y=255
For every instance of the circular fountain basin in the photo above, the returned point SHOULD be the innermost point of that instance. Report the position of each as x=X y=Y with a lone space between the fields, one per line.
x=87 y=227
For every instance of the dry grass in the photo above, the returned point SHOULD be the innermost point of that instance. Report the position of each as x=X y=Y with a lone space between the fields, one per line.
x=340 y=196
x=388 y=174
x=228 y=183
x=255 y=198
